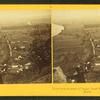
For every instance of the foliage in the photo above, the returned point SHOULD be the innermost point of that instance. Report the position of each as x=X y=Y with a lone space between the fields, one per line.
x=40 y=47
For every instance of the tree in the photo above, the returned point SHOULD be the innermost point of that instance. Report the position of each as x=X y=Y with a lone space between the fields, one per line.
x=41 y=49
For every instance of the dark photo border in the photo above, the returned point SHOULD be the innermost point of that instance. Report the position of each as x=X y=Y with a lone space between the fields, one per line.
x=49 y=1
x=49 y=98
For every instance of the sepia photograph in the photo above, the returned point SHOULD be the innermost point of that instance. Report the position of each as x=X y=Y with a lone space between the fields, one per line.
x=76 y=46
x=25 y=46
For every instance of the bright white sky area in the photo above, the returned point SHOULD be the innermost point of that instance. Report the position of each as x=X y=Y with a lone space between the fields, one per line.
x=76 y=16
x=9 y=17
x=56 y=29
x=73 y=18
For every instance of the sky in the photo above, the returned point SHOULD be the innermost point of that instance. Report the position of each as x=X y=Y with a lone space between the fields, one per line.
x=76 y=16
x=10 y=17
x=56 y=29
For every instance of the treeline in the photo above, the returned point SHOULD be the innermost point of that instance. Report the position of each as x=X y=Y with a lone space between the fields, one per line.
x=40 y=52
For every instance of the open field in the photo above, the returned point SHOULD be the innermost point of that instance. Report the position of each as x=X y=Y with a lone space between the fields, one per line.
x=16 y=47
x=74 y=47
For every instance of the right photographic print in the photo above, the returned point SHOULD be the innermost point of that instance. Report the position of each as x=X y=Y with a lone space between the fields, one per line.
x=76 y=46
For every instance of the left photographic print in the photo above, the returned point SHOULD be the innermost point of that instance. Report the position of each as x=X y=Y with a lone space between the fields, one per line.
x=25 y=46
